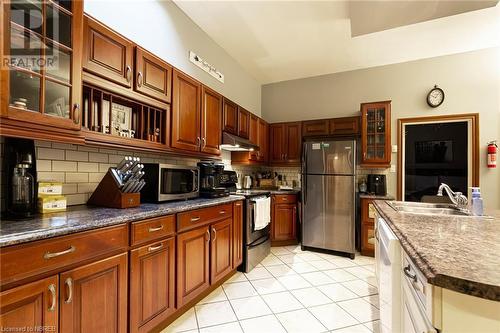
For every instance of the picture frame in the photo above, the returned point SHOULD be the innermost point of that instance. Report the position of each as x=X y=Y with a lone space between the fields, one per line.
x=121 y=119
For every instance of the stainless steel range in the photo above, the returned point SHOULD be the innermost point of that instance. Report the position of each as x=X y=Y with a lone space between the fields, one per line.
x=257 y=242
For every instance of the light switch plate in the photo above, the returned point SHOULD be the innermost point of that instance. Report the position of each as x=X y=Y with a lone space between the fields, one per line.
x=393 y=168
x=394 y=148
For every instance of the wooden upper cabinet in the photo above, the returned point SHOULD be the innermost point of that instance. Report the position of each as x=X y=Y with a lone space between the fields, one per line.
x=41 y=100
x=193 y=264
x=153 y=76
x=344 y=126
x=186 y=112
x=211 y=121
x=253 y=132
x=293 y=151
x=285 y=143
x=221 y=259
x=315 y=127
x=243 y=123
x=263 y=141
x=376 y=134
x=334 y=127
x=278 y=143
x=230 y=117
x=93 y=298
x=30 y=306
x=152 y=284
x=253 y=136
x=107 y=53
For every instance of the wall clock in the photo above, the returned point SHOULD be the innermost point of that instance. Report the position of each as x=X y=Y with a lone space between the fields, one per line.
x=435 y=97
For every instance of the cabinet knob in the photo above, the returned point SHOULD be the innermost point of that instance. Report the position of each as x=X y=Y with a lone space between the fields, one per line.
x=76 y=113
x=128 y=73
x=197 y=141
x=139 y=79
x=204 y=142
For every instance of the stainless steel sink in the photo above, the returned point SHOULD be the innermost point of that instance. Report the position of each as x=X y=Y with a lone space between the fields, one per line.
x=427 y=208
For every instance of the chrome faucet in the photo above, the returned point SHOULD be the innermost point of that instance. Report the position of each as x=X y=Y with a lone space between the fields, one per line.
x=457 y=198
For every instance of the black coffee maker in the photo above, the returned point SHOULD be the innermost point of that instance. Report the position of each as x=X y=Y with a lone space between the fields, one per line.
x=377 y=184
x=21 y=190
x=210 y=176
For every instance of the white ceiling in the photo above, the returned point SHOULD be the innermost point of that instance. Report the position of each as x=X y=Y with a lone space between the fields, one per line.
x=283 y=40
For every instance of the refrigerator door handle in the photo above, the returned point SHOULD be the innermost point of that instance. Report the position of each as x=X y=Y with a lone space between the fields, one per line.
x=304 y=171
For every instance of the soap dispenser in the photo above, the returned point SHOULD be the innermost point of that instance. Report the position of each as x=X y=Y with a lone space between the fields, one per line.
x=476 y=202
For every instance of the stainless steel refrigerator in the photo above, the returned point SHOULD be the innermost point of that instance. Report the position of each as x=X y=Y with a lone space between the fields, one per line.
x=328 y=196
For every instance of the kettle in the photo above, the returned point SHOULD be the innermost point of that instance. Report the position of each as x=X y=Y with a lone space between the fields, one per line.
x=247 y=182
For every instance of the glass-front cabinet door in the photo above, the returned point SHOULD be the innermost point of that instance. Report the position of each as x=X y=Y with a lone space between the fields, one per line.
x=376 y=134
x=41 y=65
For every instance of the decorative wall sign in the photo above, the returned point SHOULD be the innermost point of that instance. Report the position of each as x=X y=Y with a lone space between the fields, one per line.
x=198 y=61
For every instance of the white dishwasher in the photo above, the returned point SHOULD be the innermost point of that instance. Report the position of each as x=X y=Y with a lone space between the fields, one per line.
x=388 y=257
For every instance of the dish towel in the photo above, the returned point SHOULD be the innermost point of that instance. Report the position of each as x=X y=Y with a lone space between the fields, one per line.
x=262 y=213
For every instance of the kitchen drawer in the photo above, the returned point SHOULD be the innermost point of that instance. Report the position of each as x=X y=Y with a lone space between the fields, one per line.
x=195 y=218
x=22 y=261
x=284 y=198
x=152 y=229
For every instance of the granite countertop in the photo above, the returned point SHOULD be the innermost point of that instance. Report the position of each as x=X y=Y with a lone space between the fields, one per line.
x=375 y=196
x=453 y=252
x=81 y=218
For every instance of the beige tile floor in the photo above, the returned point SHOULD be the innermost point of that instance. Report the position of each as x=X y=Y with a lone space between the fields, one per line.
x=291 y=291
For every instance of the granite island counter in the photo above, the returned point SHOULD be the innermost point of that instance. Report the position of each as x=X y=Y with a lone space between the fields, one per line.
x=459 y=253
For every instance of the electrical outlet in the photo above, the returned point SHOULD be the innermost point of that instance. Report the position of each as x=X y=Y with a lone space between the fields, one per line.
x=393 y=168
x=394 y=148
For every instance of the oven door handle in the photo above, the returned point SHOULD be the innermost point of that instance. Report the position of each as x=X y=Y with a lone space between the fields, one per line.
x=260 y=243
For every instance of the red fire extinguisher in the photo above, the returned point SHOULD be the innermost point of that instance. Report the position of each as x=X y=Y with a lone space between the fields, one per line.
x=492 y=154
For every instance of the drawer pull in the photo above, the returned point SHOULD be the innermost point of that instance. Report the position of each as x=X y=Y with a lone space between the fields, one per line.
x=222 y=212
x=154 y=248
x=52 y=289
x=194 y=219
x=69 y=283
x=284 y=199
x=156 y=228
x=406 y=270
x=49 y=255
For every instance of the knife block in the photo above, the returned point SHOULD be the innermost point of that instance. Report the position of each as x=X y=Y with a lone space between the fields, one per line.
x=108 y=194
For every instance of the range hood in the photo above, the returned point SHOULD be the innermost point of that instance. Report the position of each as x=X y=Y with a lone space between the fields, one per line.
x=235 y=143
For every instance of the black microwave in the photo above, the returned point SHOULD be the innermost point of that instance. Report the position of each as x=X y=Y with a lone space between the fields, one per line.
x=166 y=182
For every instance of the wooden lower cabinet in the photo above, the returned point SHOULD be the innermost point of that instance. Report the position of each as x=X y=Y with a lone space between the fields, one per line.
x=166 y=271
x=367 y=227
x=30 y=306
x=193 y=264
x=284 y=220
x=93 y=298
x=152 y=284
x=237 y=233
x=221 y=262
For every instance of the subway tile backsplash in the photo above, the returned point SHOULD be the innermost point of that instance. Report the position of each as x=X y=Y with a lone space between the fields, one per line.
x=81 y=168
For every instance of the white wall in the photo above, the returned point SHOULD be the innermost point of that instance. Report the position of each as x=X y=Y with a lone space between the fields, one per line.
x=162 y=28
x=471 y=82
